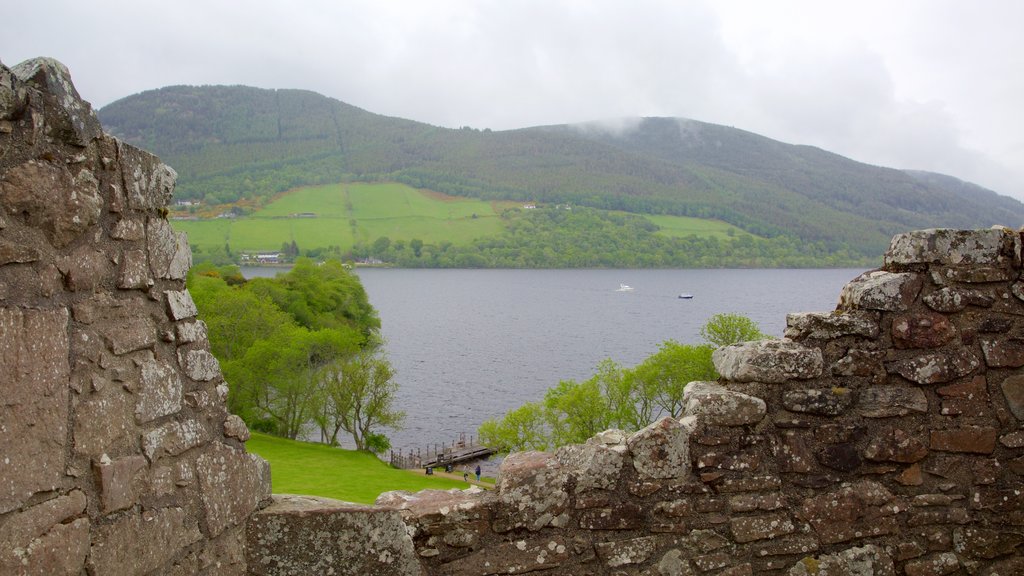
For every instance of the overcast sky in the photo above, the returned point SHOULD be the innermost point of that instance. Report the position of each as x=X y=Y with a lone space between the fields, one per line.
x=924 y=84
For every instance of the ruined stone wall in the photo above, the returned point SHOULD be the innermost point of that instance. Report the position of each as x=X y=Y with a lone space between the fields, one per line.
x=882 y=438
x=117 y=455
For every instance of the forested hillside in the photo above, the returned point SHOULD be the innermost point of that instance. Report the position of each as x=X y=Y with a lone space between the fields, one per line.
x=237 y=142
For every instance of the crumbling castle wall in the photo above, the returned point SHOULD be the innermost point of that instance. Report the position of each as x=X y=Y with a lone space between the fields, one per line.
x=117 y=454
x=883 y=438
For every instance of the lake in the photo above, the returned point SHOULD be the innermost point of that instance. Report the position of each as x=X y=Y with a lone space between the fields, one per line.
x=472 y=344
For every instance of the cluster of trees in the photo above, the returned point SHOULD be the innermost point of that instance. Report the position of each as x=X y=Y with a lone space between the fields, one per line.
x=300 y=350
x=617 y=397
x=549 y=237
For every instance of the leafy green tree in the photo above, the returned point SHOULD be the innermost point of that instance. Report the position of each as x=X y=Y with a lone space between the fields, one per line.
x=662 y=377
x=576 y=411
x=729 y=328
x=359 y=397
x=521 y=429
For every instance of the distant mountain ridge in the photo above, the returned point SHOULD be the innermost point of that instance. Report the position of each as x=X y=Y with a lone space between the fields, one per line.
x=229 y=142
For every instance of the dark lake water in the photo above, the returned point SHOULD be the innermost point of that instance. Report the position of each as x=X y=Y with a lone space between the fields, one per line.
x=471 y=344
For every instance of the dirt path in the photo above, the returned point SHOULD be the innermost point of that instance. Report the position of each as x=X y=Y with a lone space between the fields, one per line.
x=458 y=476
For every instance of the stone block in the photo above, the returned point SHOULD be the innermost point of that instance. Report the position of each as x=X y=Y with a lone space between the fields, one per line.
x=921 y=330
x=232 y=483
x=1003 y=352
x=716 y=405
x=750 y=528
x=829 y=402
x=769 y=361
x=148 y=182
x=138 y=544
x=879 y=290
x=867 y=560
x=936 y=368
x=860 y=510
x=159 y=393
x=843 y=457
x=889 y=401
x=832 y=325
x=129 y=229
x=517 y=557
x=949 y=300
x=180 y=304
x=998 y=247
x=76 y=120
x=174 y=438
x=118 y=482
x=625 y=552
x=52 y=199
x=934 y=565
x=190 y=332
x=310 y=535
x=46 y=539
x=896 y=446
x=619 y=517
x=595 y=466
x=34 y=407
x=86 y=269
x=531 y=492
x=1013 y=392
x=864 y=363
x=134 y=271
x=169 y=254
x=661 y=450
x=199 y=365
x=971 y=439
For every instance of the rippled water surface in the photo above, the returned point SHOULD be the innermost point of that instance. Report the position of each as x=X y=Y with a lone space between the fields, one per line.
x=471 y=344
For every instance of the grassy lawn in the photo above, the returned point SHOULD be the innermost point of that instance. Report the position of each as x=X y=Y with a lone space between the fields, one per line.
x=682 y=226
x=320 y=470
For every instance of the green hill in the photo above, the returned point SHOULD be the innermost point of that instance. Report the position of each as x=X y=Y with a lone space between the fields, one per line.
x=234 y=142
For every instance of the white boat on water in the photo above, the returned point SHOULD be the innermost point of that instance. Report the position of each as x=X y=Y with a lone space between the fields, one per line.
x=685 y=296
x=624 y=288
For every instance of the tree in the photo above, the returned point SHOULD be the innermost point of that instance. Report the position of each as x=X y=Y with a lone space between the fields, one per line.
x=520 y=429
x=576 y=411
x=730 y=328
x=662 y=377
x=359 y=396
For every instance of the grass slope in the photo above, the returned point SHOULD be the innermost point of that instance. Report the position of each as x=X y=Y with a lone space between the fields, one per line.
x=320 y=470
x=347 y=213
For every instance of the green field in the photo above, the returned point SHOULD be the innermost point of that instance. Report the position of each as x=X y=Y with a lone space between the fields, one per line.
x=345 y=214
x=320 y=470
x=682 y=226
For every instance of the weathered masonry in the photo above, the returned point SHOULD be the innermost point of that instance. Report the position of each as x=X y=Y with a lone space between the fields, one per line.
x=883 y=438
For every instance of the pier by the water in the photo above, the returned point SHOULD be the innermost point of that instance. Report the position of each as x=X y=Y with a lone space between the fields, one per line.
x=442 y=456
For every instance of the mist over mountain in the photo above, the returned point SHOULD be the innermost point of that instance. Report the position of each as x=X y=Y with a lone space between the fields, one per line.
x=233 y=142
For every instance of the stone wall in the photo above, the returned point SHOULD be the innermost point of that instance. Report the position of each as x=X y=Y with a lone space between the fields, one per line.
x=117 y=455
x=882 y=438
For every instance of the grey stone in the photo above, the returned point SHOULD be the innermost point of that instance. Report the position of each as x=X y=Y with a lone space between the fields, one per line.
x=180 y=304
x=134 y=271
x=199 y=365
x=595 y=466
x=625 y=552
x=768 y=361
x=832 y=325
x=86 y=269
x=148 y=182
x=189 y=332
x=867 y=560
x=300 y=535
x=661 y=450
x=169 y=254
x=11 y=252
x=142 y=543
x=921 y=330
x=53 y=200
x=232 y=484
x=78 y=123
x=937 y=367
x=60 y=551
x=888 y=401
x=531 y=492
x=118 y=481
x=1013 y=392
x=993 y=247
x=174 y=438
x=21 y=534
x=951 y=299
x=34 y=407
x=716 y=405
x=831 y=402
x=750 y=528
x=160 y=392
x=234 y=427
x=879 y=290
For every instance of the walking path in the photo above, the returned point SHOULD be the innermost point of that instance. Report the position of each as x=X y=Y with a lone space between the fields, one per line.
x=458 y=476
